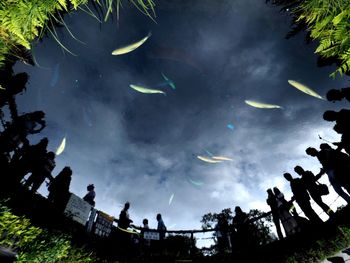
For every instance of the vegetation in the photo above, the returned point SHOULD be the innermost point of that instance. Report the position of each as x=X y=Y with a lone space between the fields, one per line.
x=34 y=244
x=323 y=248
x=23 y=21
x=326 y=21
x=260 y=229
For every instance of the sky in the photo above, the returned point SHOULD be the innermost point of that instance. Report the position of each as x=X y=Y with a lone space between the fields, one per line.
x=142 y=148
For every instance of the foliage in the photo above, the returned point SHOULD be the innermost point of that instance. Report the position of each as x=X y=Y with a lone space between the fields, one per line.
x=323 y=248
x=37 y=245
x=260 y=228
x=210 y=219
x=328 y=22
x=23 y=21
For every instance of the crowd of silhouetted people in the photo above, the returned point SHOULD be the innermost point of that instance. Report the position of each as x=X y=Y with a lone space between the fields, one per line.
x=335 y=163
x=29 y=166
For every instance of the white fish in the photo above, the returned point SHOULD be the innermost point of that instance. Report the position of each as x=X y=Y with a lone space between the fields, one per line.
x=131 y=47
x=128 y=231
x=262 y=105
x=60 y=149
x=171 y=198
x=146 y=90
x=2 y=88
x=305 y=89
x=207 y=159
x=222 y=158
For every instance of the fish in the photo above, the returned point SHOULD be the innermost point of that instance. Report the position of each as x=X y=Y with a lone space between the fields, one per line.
x=230 y=126
x=207 y=159
x=146 y=90
x=222 y=158
x=2 y=88
x=262 y=105
x=169 y=82
x=128 y=231
x=171 y=198
x=60 y=149
x=55 y=75
x=131 y=47
x=305 y=89
x=196 y=183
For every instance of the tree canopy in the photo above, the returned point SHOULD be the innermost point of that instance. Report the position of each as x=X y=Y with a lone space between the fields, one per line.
x=325 y=21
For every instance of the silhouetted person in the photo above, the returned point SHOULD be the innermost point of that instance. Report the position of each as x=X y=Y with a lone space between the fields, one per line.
x=222 y=234
x=27 y=123
x=272 y=202
x=28 y=159
x=17 y=131
x=59 y=188
x=90 y=196
x=338 y=94
x=243 y=230
x=309 y=180
x=303 y=223
x=124 y=219
x=302 y=197
x=345 y=138
x=146 y=243
x=41 y=171
x=161 y=227
x=289 y=224
x=124 y=237
x=342 y=119
x=327 y=157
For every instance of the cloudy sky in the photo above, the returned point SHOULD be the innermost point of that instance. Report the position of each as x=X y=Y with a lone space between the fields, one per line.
x=142 y=148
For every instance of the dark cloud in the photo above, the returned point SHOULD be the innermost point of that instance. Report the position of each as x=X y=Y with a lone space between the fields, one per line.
x=143 y=148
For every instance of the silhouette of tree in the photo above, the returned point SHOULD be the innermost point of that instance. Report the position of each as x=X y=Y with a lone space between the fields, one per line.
x=260 y=226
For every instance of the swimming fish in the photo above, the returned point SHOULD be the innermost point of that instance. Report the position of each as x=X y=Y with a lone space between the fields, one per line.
x=128 y=231
x=305 y=89
x=169 y=82
x=261 y=105
x=208 y=160
x=222 y=158
x=196 y=183
x=60 y=149
x=230 y=126
x=55 y=75
x=146 y=90
x=2 y=88
x=171 y=198
x=131 y=47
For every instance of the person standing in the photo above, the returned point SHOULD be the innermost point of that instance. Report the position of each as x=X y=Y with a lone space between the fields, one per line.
x=41 y=171
x=90 y=196
x=124 y=236
x=124 y=218
x=302 y=198
x=330 y=165
x=59 y=188
x=289 y=224
x=161 y=227
x=309 y=180
x=272 y=202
